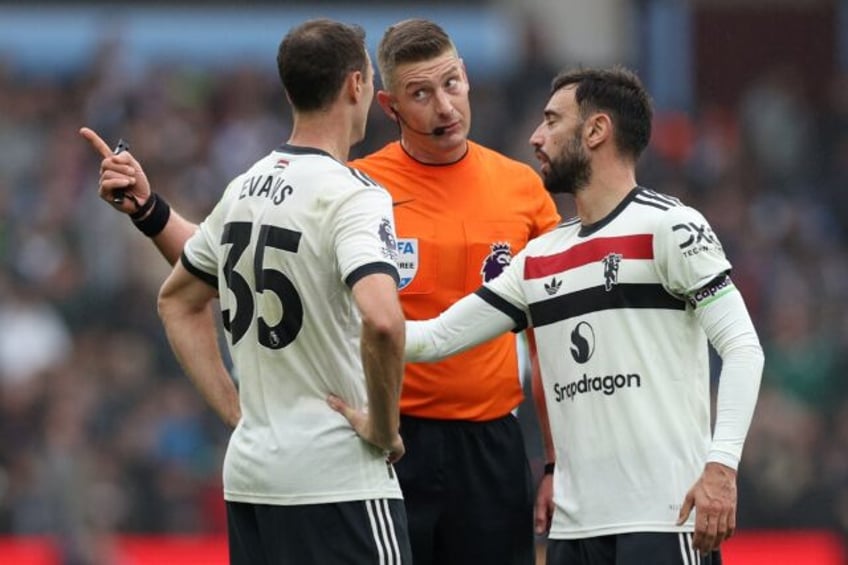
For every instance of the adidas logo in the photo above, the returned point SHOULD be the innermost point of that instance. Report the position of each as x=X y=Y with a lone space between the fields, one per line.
x=553 y=287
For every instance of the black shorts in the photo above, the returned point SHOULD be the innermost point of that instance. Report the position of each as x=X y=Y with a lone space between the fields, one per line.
x=468 y=492
x=654 y=548
x=362 y=531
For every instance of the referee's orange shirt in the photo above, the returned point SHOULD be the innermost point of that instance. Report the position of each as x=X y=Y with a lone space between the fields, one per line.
x=457 y=226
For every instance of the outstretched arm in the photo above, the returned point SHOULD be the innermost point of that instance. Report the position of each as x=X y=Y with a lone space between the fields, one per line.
x=121 y=174
x=468 y=322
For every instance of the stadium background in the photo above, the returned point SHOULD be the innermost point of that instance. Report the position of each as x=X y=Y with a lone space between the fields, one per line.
x=107 y=455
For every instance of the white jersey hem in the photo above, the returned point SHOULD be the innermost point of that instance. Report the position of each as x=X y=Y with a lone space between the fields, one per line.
x=302 y=499
x=688 y=527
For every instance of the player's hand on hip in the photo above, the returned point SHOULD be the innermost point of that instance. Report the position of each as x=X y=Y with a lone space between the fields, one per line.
x=123 y=183
x=544 y=508
x=713 y=497
x=362 y=426
x=358 y=418
x=396 y=451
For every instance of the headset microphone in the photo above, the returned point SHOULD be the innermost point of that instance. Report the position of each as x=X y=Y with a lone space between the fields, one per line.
x=437 y=132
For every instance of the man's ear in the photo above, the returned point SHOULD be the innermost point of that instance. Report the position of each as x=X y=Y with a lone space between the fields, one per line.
x=597 y=129
x=386 y=102
x=464 y=73
x=353 y=86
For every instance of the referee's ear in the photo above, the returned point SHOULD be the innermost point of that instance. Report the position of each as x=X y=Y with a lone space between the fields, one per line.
x=387 y=102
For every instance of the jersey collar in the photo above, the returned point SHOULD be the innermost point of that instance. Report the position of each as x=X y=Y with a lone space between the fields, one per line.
x=300 y=150
x=586 y=231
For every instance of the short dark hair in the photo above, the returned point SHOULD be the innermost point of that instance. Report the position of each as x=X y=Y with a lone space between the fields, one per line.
x=410 y=41
x=618 y=92
x=314 y=59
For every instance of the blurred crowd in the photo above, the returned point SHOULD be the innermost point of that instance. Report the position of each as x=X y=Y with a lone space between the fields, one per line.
x=99 y=430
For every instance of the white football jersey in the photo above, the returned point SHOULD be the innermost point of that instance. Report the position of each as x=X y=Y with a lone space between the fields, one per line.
x=283 y=247
x=624 y=361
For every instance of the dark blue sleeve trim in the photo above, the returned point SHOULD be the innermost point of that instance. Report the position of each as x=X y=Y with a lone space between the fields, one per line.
x=370 y=269
x=211 y=280
x=504 y=306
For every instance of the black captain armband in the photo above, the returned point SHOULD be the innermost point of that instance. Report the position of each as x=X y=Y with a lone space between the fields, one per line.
x=549 y=468
x=152 y=216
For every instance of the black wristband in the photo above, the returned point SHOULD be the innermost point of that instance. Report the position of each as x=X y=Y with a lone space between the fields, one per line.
x=157 y=219
x=144 y=208
x=549 y=468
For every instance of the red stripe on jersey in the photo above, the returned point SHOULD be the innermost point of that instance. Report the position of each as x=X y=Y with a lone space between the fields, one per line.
x=628 y=246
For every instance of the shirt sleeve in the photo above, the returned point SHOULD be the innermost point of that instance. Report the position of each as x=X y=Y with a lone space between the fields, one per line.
x=363 y=235
x=688 y=253
x=728 y=326
x=692 y=265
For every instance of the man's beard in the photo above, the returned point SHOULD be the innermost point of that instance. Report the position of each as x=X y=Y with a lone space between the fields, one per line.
x=571 y=171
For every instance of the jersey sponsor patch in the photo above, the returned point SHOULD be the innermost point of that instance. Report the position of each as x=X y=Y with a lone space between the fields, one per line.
x=407 y=260
x=694 y=239
x=607 y=384
x=582 y=342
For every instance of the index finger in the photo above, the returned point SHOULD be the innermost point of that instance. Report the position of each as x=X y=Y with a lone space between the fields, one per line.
x=96 y=142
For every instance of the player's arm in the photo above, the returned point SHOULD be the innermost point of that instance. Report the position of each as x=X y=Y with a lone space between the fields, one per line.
x=730 y=330
x=185 y=307
x=728 y=326
x=120 y=173
x=693 y=263
x=382 y=358
x=361 y=234
x=468 y=322
x=491 y=310
x=382 y=341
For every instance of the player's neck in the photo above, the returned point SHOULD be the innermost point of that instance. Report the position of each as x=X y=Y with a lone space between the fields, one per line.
x=325 y=132
x=610 y=184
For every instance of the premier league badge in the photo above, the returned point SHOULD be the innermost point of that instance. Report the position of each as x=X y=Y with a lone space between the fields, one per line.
x=495 y=262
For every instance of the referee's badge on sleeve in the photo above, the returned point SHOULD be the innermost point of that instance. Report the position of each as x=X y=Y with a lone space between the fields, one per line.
x=407 y=260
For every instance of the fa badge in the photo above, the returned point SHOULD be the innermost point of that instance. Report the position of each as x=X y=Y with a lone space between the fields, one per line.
x=407 y=261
